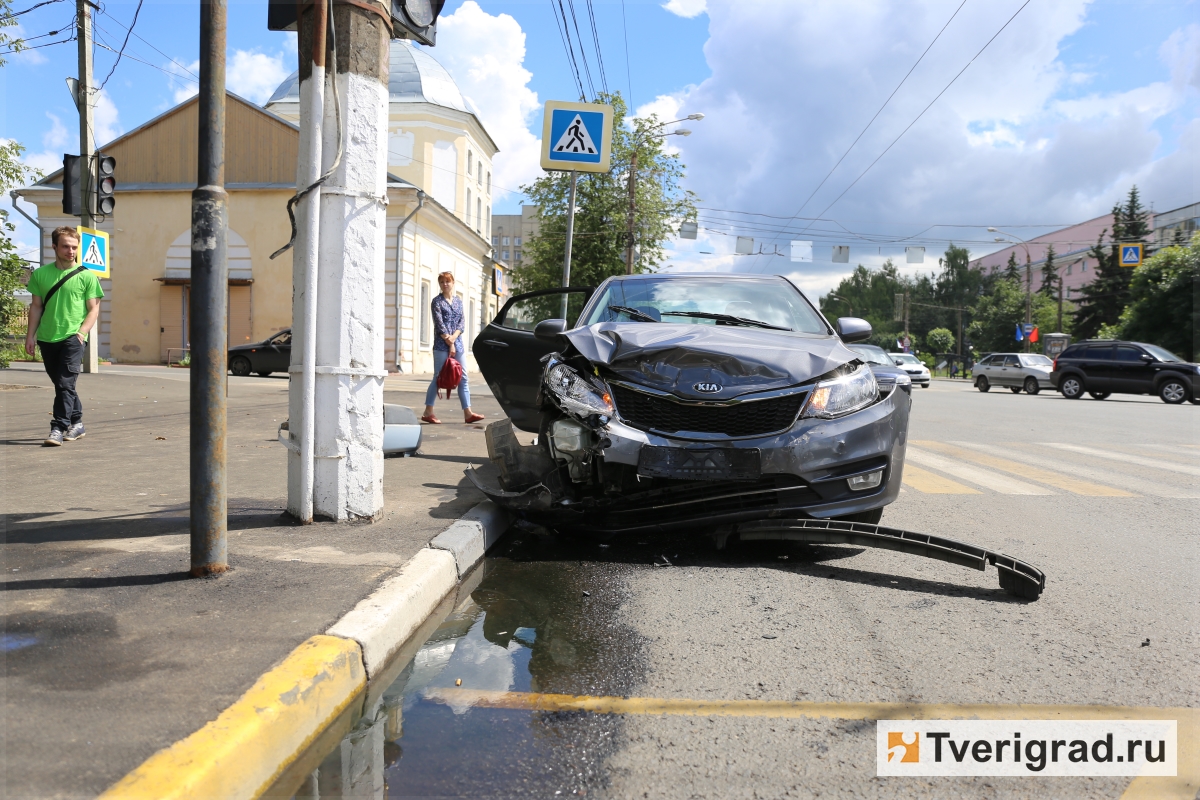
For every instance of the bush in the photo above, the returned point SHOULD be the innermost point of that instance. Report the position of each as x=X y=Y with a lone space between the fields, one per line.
x=940 y=340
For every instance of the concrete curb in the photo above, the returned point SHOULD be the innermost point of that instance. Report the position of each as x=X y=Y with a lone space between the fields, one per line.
x=243 y=751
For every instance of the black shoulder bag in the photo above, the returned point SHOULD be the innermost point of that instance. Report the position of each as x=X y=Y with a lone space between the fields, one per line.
x=57 y=286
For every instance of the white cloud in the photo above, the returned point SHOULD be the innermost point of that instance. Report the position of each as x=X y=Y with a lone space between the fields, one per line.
x=1011 y=141
x=182 y=85
x=485 y=55
x=255 y=75
x=56 y=141
x=31 y=57
x=106 y=124
x=666 y=106
x=686 y=8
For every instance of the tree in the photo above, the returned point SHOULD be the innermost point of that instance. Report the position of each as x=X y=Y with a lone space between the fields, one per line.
x=602 y=208
x=1164 y=308
x=1051 y=280
x=1012 y=271
x=8 y=44
x=1104 y=299
x=940 y=340
x=12 y=173
x=996 y=315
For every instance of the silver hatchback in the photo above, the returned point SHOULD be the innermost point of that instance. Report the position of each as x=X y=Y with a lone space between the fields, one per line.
x=1014 y=371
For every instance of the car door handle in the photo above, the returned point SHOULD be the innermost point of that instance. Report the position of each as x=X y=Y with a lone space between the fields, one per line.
x=495 y=343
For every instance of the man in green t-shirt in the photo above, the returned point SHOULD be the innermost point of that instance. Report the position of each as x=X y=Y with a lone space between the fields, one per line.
x=65 y=307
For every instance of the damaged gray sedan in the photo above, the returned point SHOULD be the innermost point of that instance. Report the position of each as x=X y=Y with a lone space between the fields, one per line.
x=685 y=399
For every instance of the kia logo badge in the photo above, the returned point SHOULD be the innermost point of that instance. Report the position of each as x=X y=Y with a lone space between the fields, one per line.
x=707 y=388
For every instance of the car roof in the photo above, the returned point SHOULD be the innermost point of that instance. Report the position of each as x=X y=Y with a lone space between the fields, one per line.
x=725 y=276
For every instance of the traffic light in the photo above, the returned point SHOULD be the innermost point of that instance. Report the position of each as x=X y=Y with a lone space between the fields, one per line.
x=106 y=184
x=71 y=190
x=411 y=19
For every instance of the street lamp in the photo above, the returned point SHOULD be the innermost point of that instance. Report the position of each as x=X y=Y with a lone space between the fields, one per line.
x=633 y=161
x=1028 y=276
x=844 y=300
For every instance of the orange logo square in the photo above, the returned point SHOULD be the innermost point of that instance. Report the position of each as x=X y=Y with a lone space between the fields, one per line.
x=904 y=747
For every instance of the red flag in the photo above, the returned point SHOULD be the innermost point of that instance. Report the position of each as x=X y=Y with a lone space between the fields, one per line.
x=1033 y=337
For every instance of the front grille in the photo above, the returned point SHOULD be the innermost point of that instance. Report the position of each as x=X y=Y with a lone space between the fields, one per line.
x=752 y=418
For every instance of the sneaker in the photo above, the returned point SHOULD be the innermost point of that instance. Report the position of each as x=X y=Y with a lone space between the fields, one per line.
x=55 y=439
x=74 y=432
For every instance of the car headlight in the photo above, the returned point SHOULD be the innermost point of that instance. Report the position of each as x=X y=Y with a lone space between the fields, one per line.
x=844 y=395
x=575 y=393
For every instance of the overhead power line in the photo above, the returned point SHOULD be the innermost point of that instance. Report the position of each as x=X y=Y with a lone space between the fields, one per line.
x=152 y=47
x=31 y=8
x=128 y=32
x=628 y=75
x=587 y=70
x=596 y=42
x=564 y=33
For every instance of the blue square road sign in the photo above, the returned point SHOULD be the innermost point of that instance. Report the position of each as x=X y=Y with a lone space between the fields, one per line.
x=1131 y=255
x=577 y=137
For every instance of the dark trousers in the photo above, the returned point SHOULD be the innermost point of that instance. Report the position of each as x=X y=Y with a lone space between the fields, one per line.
x=64 y=362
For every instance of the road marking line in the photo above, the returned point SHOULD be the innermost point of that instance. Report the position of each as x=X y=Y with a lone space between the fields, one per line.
x=981 y=477
x=932 y=483
x=1182 y=786
x=1128 y=481
x=1184 y=469
x=1056 y=479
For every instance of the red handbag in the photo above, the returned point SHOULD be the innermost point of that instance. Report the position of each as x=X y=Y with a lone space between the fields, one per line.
x=450 y=375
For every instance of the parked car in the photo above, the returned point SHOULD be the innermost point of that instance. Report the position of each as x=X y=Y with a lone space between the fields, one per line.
x=918 y=373
x=272 y=355
x=887 y=374
x=685 y=401
x=1103 y=367
x=1015 y=371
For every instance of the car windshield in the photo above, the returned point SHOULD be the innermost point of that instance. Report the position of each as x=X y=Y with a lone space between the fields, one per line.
x=872 y=354
x=707 y=301
x=1161 y=354
x=906 y=358
x=1036 y=361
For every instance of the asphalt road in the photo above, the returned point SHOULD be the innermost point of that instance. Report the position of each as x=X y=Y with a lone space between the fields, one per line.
x=1100 y=495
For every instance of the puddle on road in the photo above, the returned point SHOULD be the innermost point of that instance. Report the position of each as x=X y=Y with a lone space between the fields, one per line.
x=526 y=626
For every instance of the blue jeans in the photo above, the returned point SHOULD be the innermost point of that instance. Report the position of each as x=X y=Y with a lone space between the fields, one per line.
x=439 y=361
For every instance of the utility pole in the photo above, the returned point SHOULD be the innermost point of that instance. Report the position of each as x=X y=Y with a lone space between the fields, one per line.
x=907 y=340
x=86 y=100
x=633 y=161
x=570 y=238
x=209 y=307
x=1028 y=297
x=1058 y=277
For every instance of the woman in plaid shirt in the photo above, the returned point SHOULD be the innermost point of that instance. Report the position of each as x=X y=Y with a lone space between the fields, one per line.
x=448 y=327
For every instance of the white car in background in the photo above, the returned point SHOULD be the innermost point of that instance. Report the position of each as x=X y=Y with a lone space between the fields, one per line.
x=917 y=371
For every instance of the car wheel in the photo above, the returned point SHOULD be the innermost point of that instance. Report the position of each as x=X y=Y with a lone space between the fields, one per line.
x=1015 y=389
x=924 y=385
x=1173 y=391
x=1071 y=387
x=240 y=365
x=981 y=383
x=1099 y=395
x=1031 y=386
x=264 y=374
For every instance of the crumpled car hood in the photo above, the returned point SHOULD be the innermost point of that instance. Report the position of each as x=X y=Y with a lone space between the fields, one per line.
x=674 y=358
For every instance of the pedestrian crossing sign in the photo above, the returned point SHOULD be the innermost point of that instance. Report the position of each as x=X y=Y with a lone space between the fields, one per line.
x=577 y=137
x=93 y=252
x=1131 y=255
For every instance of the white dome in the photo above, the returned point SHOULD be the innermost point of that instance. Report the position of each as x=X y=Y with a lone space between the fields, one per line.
x=414 y=76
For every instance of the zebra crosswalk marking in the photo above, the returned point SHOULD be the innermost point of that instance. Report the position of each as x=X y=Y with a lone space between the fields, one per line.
x=1128 y=481
x=1055 y=479
x=980 y=477
x=1170 y=466
x=932 y=483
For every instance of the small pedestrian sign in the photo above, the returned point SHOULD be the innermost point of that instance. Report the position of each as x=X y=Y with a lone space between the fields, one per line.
x=577 y=137
x=1131 y=255
x=93 y=252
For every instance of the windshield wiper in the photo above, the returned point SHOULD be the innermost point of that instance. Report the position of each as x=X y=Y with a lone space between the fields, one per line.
x=727 y=318
x=633 y=312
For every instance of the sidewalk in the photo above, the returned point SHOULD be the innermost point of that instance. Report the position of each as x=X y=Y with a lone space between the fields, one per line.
x=112 y=651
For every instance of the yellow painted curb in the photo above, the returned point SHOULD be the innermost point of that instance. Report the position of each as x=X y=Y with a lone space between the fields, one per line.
x=243 y=751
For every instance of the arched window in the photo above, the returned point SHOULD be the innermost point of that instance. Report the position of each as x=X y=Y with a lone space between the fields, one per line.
x=470 y=162
x=467 y=213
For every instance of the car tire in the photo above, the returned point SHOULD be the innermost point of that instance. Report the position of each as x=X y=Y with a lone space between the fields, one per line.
x=1100 y=395
x=924 y=385
x=981 y=383
x=240 y=365
x=1015 y=389
x=1173 y=391
x=264 y=374
x=1031 y=386
x=1071 y=387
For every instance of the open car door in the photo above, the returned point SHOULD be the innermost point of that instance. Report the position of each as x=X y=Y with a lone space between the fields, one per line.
x=510 y=356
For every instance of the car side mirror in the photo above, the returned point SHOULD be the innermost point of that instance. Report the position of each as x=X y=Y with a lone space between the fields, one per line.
x=548 y=329
x=1147 y=357
x=853 y=329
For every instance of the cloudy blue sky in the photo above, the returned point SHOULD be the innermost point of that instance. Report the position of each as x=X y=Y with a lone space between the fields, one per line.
x=1071 y=104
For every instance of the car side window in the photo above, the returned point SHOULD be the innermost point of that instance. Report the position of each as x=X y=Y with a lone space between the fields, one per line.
x=283 y=339
x=1072 y=352
x=524 y=315
x=1100 y=352
x=1127 y=353
x=1011 y=361
x=987 y=362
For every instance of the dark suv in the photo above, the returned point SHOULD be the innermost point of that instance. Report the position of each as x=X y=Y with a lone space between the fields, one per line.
x=1102 y=367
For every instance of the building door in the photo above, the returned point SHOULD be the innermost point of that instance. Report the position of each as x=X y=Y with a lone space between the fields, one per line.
x=172 y=311
x=240 y=329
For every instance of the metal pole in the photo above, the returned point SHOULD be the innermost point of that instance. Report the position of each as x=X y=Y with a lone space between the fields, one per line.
x=570 y=238
x=632 y=210
x=1028 y=296
x=209 y=300
x=86 y=100
x=311 y=222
